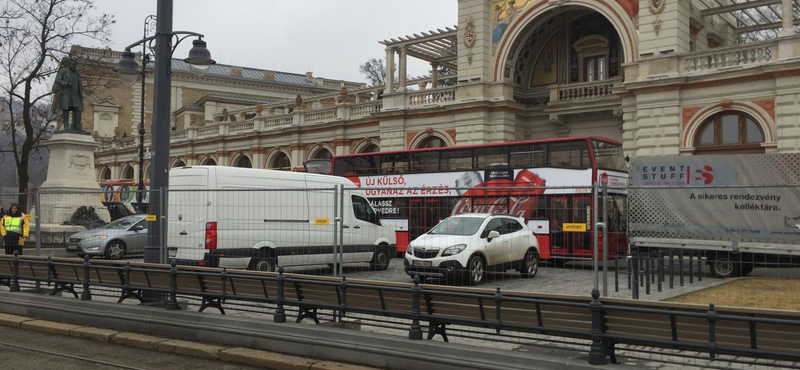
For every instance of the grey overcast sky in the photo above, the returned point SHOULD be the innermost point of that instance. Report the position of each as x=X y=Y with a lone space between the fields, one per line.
x=328 y=37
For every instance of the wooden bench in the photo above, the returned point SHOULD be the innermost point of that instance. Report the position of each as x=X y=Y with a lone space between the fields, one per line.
x=638 y=328
x=36 y=268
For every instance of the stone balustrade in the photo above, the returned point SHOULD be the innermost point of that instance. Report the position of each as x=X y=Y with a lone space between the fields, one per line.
x=241 y=127
x=319 y=116
x=432 y=96
x=365 y=109
x=733 y=56
x=583 y=91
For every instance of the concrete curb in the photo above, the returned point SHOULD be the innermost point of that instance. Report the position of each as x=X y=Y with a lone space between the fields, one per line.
x=138 y=340
x=267 y=360
x=236 y=355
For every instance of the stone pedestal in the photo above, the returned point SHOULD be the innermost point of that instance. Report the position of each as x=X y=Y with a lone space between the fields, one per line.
x=70 y=184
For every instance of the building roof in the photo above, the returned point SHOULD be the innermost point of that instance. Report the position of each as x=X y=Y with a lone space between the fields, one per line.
x=249 y=74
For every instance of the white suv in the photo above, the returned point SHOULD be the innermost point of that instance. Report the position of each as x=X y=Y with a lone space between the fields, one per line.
x=466 y=246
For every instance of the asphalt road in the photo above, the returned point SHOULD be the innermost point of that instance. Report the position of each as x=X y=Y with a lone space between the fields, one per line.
x=116 y=356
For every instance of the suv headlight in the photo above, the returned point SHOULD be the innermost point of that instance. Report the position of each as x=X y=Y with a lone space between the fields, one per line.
x=96 y=237
x=410 y=251
x=456 y=249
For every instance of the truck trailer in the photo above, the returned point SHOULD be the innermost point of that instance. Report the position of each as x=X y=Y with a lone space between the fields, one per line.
x=737 y=211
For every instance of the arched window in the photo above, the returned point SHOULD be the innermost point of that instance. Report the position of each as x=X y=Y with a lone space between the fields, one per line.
x=178 y=163
x=432 y=142
x=371 y=148
x=105 y=173
x=280 y=162
x=729 y=132
x=243 y=162
x=208 y=162
x=322 y=153
x=127 y=173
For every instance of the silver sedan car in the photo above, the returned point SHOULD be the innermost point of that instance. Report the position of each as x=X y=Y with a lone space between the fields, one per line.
x=127 y=235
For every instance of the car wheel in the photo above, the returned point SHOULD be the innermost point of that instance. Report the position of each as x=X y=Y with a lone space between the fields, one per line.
x=380 y=260
x=725 y=265
x=530 y=265
x=263 y=263
x=115 y=249
x=476 y=270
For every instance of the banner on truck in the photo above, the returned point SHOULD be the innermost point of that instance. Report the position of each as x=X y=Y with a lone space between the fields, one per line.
x=750 y=198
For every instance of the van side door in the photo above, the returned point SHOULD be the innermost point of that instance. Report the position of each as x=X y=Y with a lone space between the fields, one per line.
x=366 y=229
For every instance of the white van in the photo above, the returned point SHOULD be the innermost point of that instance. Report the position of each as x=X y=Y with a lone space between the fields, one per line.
x=260 y=219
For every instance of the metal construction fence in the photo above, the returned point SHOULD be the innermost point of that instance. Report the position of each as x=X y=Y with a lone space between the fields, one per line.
x=390 y=235
x=606 y=328
x=393 y=234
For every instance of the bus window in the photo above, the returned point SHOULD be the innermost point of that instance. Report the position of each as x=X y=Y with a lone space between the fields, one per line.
x=571 y=154
x=486 y=157
x=456 y=160
x=424 y=162
x=394 y=163
x=367 y=165
x=343 y=167
x=609 y=156
x=528 y=155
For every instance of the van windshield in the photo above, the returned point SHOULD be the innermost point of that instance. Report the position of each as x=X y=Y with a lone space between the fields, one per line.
x=458 y=226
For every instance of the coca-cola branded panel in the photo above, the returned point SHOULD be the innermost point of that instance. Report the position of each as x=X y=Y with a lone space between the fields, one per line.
x=488 y=190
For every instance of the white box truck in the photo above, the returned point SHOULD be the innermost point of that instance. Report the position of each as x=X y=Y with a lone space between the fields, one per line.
x=738 y=211
x=260 y=219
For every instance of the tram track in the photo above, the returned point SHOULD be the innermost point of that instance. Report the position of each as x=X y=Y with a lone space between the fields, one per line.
x=65 y=355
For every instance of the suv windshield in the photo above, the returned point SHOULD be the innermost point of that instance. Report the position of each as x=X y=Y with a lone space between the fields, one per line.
x=122 y=223
x=458 y=226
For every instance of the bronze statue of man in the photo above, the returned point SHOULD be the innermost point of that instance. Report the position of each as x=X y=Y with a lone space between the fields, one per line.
x=70 y=93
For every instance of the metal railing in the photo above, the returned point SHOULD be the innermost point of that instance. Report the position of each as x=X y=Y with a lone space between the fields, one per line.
x=604 y=323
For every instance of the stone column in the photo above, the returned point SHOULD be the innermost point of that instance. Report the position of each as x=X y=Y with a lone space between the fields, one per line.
x=389 y=70
x=403 y=68
x=787 y=15
x=434 y=76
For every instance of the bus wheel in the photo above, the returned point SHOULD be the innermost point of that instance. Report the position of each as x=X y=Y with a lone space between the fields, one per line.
x=724 y=264
x=530 y=265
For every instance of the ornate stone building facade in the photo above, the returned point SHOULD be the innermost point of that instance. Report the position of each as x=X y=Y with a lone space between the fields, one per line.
x=665 y=77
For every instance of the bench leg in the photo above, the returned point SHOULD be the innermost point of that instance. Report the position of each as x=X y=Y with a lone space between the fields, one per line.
x=307 y=313
x=130 y=293
x=61 y=287
x=612 y=354
x=437 y=328
x=212 y=302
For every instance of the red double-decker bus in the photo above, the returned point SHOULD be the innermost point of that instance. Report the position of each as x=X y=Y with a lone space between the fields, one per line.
x=552 y=183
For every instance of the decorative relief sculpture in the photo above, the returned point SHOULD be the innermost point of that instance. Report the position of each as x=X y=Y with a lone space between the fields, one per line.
x=79 y=161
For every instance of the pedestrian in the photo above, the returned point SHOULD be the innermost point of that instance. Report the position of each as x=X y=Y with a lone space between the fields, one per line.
x=14 y=229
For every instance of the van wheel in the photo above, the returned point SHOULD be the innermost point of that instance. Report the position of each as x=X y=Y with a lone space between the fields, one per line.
x=530 y=265
x=262 y=264
x=725 y=265
x=476 y=270
x=380 y=260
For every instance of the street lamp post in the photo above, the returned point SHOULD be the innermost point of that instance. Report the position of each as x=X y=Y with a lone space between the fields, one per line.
x=149 y=25
x=128 y=71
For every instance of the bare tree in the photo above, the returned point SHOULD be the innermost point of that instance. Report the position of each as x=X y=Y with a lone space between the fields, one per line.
x=35 y=36
x=375 y=71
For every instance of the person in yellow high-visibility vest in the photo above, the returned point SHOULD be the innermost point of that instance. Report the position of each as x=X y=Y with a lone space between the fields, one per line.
x=14 y=229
